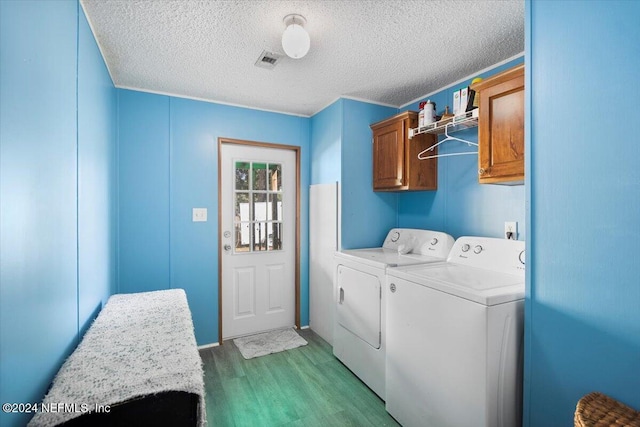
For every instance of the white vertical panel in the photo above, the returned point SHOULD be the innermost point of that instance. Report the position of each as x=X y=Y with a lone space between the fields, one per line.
x=275 y=285
x=323 y=242
x=244 y=292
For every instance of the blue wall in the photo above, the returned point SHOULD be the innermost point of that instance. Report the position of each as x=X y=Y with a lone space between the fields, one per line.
x=168 y=157
x=583 y=305
x=326 y=144
x=57 y=180
x=97 y=179
x=341 y=150
x=143 y=189
x=366 y=215
x=461 y=206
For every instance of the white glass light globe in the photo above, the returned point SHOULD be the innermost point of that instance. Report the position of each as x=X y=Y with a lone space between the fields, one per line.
x=295 y=41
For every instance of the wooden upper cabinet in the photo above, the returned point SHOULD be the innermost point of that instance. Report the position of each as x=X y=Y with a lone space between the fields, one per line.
x=395 y=157
x=501 y=127
x=388 y=155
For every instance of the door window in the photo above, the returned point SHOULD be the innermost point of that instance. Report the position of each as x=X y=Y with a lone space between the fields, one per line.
x=258 y=207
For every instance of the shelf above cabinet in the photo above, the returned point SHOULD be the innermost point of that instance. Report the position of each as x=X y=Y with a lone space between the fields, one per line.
x=459 y=122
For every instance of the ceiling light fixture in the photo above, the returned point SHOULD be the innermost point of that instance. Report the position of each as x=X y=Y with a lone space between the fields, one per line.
x=295 y=39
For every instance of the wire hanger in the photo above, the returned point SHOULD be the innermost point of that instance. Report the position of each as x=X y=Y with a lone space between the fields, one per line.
x=447 y=138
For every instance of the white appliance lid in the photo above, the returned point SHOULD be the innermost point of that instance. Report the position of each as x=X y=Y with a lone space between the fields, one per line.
x=381 y=257
x=475 y=284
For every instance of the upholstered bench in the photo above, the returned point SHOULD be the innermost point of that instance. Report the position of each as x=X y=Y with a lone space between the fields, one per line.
x=138 y=364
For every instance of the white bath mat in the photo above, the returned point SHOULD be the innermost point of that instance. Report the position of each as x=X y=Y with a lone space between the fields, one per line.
x=268 y=342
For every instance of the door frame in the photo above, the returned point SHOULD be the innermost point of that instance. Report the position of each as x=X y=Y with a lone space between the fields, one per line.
x=296 y=149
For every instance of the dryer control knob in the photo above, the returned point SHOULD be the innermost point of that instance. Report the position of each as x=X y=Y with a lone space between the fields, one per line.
x=521 y=257
x=465 y=247
x=477 y=249
x=392 y=287
x=434 y=241
x=395 y=236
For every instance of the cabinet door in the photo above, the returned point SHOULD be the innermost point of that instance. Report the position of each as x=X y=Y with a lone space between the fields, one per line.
x=388 y=156
x=421 y=174
x=501 y=132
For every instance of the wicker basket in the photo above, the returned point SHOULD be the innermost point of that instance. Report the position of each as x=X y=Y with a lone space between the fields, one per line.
x=599 y=410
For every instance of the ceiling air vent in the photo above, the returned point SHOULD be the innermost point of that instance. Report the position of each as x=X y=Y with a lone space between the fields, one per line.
x=268 y=60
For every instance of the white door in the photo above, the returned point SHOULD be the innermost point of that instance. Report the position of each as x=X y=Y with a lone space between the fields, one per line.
x=359 y=304
x=258 y=222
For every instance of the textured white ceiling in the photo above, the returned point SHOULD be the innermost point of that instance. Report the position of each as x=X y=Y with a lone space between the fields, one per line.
x=385 y=51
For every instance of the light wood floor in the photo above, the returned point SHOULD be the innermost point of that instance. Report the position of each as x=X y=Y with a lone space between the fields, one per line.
x=305 y=387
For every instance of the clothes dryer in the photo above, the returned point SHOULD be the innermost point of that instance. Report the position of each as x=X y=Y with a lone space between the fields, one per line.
x=360 y=277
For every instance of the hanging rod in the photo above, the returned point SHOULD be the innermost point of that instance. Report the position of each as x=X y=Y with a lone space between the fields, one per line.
x=447 y=138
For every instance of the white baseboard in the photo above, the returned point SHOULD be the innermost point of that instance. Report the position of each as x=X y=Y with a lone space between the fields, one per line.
x=204 y=347
x=304 y=327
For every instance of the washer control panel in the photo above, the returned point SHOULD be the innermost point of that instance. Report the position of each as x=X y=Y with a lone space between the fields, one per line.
x=501 y=255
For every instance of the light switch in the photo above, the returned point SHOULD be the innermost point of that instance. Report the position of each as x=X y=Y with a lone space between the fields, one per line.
x=199 y=214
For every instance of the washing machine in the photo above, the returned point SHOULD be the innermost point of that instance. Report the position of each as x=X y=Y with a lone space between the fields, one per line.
x=454 y=337
x=359 y=278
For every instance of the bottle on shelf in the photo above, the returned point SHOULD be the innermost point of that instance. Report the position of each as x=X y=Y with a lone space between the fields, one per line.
x=429 y=112
x=421 y=114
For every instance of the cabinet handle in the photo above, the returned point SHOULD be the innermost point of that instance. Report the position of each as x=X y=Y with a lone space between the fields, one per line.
x=481 y=171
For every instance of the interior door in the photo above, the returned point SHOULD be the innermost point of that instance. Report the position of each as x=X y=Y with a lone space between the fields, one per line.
x=258 y=189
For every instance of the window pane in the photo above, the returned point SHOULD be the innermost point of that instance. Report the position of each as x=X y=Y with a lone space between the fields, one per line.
x=242 y=176
x=260 y=176
x=242 y=236
x=275 y=236
x=260 y=239
x=274 y=207
x=275 y=177
x=242 y=207
x=259 y=207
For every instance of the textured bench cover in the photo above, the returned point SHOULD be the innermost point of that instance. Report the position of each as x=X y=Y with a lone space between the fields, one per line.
x=139 y=344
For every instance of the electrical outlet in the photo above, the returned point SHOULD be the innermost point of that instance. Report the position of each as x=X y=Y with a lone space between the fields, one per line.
x=511 y=230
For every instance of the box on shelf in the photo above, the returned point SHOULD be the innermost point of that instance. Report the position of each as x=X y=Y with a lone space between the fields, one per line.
x=456 y=102
x=464 y=94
